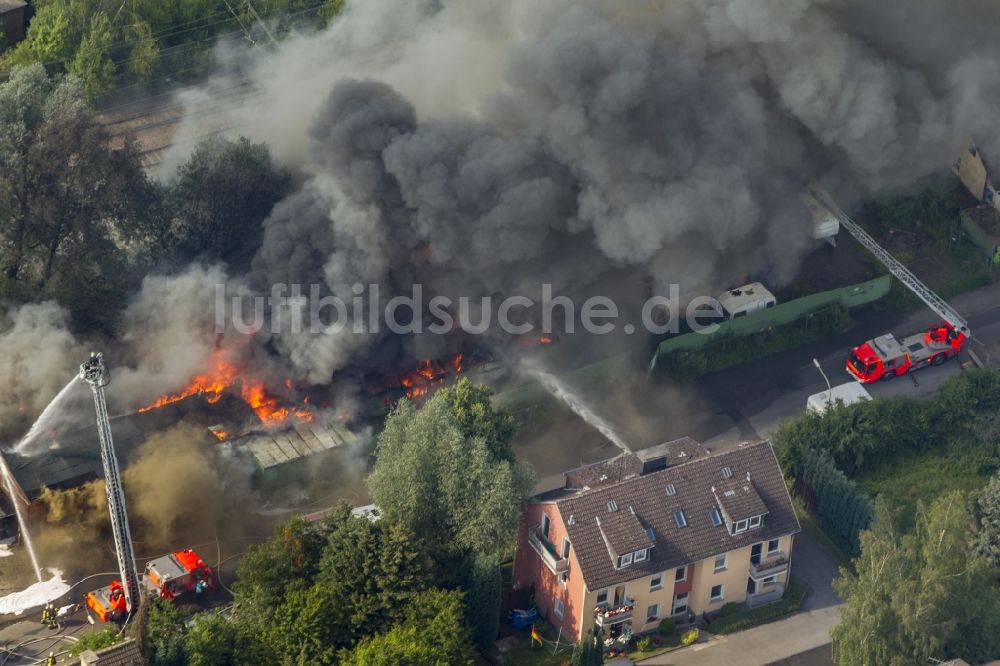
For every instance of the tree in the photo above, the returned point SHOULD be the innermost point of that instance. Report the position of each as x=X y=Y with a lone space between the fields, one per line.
x=144 y=55
x=987 y=515
x=483 y=589
x=433 y=634
x=475 y=417
x=163 y=634
x=49 y=37
x=69 y=204
x=373 y=570
x=220 y=199
x=446 y=488
x=589 y=651
x=288 y=560
x=212 y=641
x=93 y=64
x=922 y=596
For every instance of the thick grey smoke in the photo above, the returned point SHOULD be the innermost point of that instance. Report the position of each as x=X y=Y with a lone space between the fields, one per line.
x=486 y=149
x=483 y=148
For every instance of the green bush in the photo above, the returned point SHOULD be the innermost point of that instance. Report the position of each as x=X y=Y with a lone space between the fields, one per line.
x=666 y=626
x=102 y=639
x=730 y=609
x=728 y=350
x=842 y=508
x=747 y=617
x=642 y=645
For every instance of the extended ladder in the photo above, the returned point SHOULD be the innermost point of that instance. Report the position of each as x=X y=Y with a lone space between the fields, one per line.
x=94 y=373
x=901 y=272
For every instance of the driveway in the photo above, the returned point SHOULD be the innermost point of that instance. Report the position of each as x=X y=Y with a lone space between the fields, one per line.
x=803 y=632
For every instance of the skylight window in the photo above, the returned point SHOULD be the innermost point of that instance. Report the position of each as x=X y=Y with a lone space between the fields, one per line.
x=680 y=519
x=612 y=505
x=649 y=534
x=671 y=490
x=727 y=472
x=716 y=517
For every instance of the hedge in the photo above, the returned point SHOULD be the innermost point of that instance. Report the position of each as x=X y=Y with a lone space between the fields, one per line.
x=751 y=617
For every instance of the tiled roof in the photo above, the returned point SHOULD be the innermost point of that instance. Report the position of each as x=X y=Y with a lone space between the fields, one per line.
x=654 y=508
x=126 y=653
x=740 y=500
x=622 y=531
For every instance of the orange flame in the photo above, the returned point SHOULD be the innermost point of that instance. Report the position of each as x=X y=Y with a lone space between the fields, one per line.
x=419 y=381
x=221 y=435
x=211 y=386
x=544 y=340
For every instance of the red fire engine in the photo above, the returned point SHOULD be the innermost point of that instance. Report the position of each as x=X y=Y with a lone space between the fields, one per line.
x=885 y=357
x=182 y=571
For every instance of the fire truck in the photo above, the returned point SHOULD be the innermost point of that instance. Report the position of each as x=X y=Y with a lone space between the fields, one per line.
x=182 y=571
x=885 y=357
x=108 y=603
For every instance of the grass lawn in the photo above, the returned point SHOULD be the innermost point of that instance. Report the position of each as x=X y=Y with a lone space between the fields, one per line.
x=965 y=465
x=538 y=656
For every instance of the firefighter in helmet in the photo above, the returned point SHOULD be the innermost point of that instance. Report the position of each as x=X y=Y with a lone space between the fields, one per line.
x=51 y=661
x=49 y=616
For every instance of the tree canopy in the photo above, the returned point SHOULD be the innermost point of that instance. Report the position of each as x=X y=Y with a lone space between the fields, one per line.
x=919 y=596
x=70 y=205
x=445 y=486
x=220 y=198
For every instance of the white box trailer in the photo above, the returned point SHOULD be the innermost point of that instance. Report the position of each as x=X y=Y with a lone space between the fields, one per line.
x=744 y=300
x=825 y=225
x=849 y=393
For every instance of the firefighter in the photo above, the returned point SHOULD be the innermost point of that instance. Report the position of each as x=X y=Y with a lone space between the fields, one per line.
x=51 y=661
x=49 y=616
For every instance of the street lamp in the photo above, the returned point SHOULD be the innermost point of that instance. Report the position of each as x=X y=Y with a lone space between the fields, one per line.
x=829 y=389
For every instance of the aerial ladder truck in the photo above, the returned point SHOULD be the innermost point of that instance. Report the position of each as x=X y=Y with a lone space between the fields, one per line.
x=884 y=358
x=119 y=599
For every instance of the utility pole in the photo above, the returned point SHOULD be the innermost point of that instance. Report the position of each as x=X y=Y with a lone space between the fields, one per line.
x=94 y=373
x=263 y=25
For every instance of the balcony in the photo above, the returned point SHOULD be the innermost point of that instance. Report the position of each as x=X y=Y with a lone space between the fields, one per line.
x=546 y=551
x=766 y=596
x=776 y=564
x=605 y=617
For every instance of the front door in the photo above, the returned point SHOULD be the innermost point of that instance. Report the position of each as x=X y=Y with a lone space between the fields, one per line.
x=751 y=586
x=619 y=595
x=755 y=553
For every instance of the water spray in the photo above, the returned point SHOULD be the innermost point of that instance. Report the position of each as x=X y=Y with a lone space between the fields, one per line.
x=559 y=390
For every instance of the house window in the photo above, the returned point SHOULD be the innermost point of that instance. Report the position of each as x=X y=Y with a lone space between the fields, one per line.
x=612 y=505
x=772 y=546
x=755 y=522
x=671 y=489
x=718 y=592
x=624 y=560
x=727 y=472
x=640 y=555
x=545 y=525
x=649 y=533
x=565 y=548
x=602 y=598
x=740 y=527
x=656 y=583
x=558 y=608
x=653 y=613
x=563 y=578
x=681 y=574
x=680 y=519
x=720 y=562
x=768 y=582
x=716 y=517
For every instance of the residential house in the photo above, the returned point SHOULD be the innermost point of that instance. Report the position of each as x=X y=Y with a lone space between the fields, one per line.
x=676 y=531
